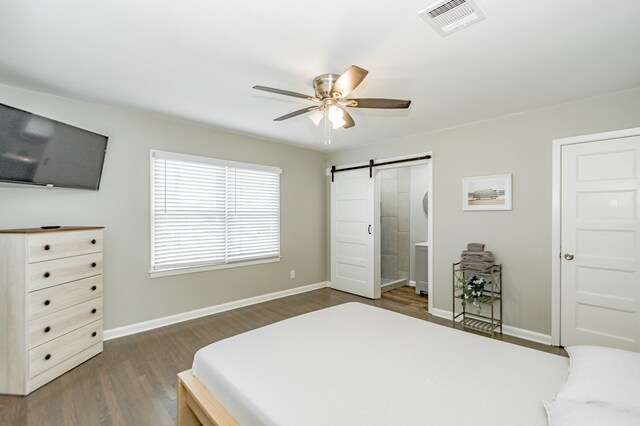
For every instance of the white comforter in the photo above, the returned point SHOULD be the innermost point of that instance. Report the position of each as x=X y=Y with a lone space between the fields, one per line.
x=354 y=364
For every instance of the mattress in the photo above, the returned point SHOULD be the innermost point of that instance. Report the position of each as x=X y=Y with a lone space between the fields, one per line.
x=355 y=364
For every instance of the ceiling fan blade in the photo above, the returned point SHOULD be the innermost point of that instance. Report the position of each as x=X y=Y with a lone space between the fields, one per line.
x=378 y=103
x=284 y=92
x=349 y=80
x=348 y=119
x=296 y=113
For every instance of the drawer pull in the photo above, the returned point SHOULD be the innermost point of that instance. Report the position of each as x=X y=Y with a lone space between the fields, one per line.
x=94 y=310
x=94 y=334
x=47 y=357
x=47 y=247
x=94 y=288
x=47 y=302
x=47 y=329
x=47 y=275
x=93 y=241
x=93 y=265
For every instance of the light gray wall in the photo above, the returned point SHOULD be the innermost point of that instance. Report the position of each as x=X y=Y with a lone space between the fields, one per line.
x=122 y=206
x=521 y=238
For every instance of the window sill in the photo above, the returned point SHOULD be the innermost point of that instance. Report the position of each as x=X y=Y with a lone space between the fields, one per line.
x=194 y=269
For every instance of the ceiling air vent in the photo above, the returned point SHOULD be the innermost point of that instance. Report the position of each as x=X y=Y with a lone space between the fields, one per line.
x=449 y=16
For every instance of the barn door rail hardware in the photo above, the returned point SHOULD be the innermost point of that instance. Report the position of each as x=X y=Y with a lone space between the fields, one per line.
x=373 y=164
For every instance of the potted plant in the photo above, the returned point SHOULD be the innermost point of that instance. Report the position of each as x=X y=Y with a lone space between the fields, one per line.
x=472 y=290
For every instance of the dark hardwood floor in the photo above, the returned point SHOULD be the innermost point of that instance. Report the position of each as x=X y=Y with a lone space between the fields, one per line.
x=133 y=382
x=406 y=296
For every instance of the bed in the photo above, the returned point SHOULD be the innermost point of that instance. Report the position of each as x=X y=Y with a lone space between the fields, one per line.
x=356 y=364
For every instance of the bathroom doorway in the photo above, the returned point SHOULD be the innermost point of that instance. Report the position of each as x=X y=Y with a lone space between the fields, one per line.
x=403 y=242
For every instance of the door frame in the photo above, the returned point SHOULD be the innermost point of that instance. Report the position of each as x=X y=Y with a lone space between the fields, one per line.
x=556 y=215
x=376 y=228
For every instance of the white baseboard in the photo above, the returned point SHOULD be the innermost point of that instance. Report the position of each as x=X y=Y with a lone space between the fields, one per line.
x=412 y=283
x=440 y=313
x=203 y=312
x=533 y=336
x=521 y=333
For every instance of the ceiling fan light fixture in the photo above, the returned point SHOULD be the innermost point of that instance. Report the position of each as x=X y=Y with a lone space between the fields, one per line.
x=338 y=123
x=316 y=116
x=331 y=91
x=335 y=114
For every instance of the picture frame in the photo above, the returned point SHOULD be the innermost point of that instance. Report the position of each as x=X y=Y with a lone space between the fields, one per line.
x=482 y=193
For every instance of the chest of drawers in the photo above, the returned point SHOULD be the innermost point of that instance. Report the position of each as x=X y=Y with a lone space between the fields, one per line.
x=51 y=300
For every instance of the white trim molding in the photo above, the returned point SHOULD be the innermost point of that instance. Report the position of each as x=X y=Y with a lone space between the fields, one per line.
x=203 y=312
x=556 y=215
x=441 y=313
x=195 y=269
x=509 y=330
x=522 y=333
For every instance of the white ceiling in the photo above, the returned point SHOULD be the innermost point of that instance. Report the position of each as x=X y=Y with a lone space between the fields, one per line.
x=197 y=59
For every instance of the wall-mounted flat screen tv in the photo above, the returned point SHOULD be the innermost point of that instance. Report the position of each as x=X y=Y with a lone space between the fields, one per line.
x=40 y=151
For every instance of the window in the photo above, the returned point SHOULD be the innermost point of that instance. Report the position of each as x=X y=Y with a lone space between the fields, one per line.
x=211 y=213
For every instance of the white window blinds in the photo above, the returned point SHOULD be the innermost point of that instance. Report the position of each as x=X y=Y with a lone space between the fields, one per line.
x=212 y=212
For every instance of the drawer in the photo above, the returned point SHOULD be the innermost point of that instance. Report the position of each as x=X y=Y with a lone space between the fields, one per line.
x=56 y=245
x=52 y=353
x=54 y=272
x=53 y=299
x=52 y=326
x=66 y=365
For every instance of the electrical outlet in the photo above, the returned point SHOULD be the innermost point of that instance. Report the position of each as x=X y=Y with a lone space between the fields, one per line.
x=292 y=273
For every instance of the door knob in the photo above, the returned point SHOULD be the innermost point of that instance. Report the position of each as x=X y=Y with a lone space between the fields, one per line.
x=568 y=256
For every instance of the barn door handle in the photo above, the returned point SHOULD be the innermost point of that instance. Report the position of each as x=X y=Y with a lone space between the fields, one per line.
x=369 y=229
x=568 y=256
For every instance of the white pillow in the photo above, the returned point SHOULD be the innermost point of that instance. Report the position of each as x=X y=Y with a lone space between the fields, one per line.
x=603 y=375
x=571 y=413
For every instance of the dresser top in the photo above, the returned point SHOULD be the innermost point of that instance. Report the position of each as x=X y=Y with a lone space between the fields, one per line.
x=42 y=231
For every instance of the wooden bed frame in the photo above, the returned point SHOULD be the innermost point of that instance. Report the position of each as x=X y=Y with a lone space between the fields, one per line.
x=197 y=406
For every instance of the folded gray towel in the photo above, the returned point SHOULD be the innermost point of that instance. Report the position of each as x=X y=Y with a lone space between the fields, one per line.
x=475 y=261
x=478 y=267
x=477 y=253
x=478 y=256
x=478 y=259
x=475 y=246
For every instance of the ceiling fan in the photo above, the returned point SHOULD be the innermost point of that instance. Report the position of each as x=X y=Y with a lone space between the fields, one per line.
x=331 y=91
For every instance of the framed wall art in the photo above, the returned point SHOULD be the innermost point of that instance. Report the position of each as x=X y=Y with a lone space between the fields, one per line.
x=486 y=192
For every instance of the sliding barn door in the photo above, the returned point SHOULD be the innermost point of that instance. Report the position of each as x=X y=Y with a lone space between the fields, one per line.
x=600 y=263
x=352 y=239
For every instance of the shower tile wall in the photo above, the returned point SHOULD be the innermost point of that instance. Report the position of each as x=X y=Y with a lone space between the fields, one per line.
x=404 y=222
x=395 y=223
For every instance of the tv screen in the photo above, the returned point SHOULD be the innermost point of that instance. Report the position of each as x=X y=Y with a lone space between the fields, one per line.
x=40 y=151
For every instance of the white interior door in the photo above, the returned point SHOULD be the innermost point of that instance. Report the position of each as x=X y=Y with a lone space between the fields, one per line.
x=600 y=232
x=352 y=239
